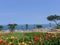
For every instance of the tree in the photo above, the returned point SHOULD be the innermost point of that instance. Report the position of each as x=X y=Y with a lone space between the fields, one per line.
x=1 y=27
x=26 y=26
x=12 y=27
x=53 y=18
x=49 y=24
x=57 y=27
x=58 y=17
x=39 y=26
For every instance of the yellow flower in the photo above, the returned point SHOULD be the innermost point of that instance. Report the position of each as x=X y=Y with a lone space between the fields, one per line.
x=7 y=38
x=23 y=42
x=29 y=42
x=11 y=43
x=12 y=37
x=55 y=34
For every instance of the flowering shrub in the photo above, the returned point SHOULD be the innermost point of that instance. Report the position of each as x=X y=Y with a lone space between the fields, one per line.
x=30 y=39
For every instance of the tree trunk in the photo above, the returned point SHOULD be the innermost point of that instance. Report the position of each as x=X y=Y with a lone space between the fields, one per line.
x=55 y=22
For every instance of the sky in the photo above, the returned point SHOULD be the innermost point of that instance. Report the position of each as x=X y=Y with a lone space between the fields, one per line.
x=27 y=11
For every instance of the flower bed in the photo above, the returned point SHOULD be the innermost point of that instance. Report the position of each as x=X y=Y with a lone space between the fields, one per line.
x=35 y=38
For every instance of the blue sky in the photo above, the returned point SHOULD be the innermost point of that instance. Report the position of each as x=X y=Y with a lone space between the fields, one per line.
x=27 y=11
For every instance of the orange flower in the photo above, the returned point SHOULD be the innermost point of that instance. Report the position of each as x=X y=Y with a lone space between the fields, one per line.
x=20 y=43
x=4 y=34
x=52 y=36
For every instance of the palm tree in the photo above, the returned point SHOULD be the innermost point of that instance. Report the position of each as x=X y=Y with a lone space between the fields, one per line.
x=39 y=26
x=26 y=26
x=1 y=27
x=12 y=27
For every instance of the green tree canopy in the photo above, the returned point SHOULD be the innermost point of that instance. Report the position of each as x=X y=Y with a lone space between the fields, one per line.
x=53 y=18
x=39 y=26
x=1 y=27
x=26 y=26
x=12 y=27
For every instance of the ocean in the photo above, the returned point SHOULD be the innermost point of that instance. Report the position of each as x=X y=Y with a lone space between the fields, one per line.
x=30 y=27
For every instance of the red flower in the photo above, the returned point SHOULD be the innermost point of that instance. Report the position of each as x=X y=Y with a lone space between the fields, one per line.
x=41 y=43
x=46 y=38
x=36 y=38
x=1 y=41
x=6 y=44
